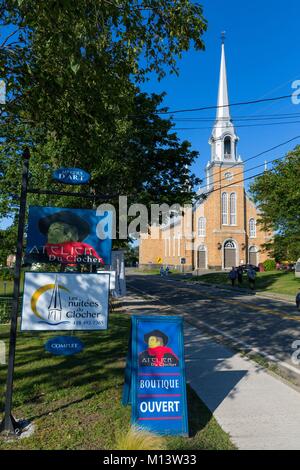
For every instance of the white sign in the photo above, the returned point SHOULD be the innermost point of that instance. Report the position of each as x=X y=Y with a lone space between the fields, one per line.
x=65 y=301
x=112 y=281
x=118 y=265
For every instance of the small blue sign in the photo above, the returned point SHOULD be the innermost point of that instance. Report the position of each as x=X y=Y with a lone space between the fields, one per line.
x=64 y=345
x=71 y=176
x=155 y=382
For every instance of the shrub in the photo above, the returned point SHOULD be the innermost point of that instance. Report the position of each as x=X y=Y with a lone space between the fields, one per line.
x=5 y=311
x=270 y=265
x=6 y=274
x=139 y=439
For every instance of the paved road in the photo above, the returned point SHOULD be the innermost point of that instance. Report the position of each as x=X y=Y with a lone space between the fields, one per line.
x=266 y=325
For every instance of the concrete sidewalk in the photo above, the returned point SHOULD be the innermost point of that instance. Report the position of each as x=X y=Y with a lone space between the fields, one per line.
x=258 y=411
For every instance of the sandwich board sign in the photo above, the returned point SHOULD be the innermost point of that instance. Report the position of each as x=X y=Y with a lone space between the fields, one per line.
x=112 y=282
x=155 y=382
x=65 y=301
x=118 y=265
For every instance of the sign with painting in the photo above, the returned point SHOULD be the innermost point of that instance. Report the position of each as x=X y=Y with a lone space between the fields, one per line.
x=68 y=236
x=155 y=382
x=65 y=301
x=64 y=346
x=72 y=176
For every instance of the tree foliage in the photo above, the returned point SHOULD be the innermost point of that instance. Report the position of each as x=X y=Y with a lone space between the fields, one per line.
x=72 y=70
x=277 y=193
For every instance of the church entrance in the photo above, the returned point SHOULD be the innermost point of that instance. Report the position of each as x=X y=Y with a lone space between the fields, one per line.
x=253 y=258
x=229 y=254
x=201 y=261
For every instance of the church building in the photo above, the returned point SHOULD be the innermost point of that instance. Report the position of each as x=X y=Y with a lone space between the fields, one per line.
x=224 y=229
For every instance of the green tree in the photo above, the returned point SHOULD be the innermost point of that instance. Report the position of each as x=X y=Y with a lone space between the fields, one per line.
x=7 y=243
x=277 y=193
x=72 y=68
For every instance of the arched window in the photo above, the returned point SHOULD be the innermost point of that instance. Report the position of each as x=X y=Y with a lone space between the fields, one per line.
x=224 y=209
x=227 y=147
x=252 y=228
x=232 y=209
x=202 y=227
x=229 y=244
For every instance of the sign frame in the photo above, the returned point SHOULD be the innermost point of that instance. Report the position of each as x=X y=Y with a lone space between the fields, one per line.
x=131 y=386
x=86 y=248
x=54 y=326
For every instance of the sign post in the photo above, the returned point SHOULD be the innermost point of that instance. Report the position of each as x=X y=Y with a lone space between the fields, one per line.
x=155 y=382
x=9 y=424
x=66 y=176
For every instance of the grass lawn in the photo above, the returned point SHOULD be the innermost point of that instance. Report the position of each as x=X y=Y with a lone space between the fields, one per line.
x=279 y=282
x=75 y=401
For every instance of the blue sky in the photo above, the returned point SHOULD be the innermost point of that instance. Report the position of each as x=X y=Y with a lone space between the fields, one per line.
x=262 y=57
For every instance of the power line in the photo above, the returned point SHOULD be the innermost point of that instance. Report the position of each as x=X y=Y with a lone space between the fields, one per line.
x=261 y=117
x=205 y=108
x=236 y=182
x=260 y=154
x=249 y=169
x=238 y=126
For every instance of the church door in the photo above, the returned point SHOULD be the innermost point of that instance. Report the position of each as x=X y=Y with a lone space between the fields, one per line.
x=229 y=254
x=253 y=255
x=201 y=262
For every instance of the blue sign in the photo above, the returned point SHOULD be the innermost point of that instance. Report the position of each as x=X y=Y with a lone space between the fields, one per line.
x=155 y=382
x=68 y=236
x=71 y=176
x=64 y=345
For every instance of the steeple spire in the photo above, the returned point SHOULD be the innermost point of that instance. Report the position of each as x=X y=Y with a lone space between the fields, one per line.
x=223 y=139
x=223 y=112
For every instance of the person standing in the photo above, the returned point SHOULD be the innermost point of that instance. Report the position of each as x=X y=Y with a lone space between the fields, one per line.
x=240 y=275
x=161 y=271
x=298 y=301
x=251 y=277
x=232 y=276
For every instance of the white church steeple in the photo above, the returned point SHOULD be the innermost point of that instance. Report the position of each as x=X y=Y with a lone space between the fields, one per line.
x=223 y=140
